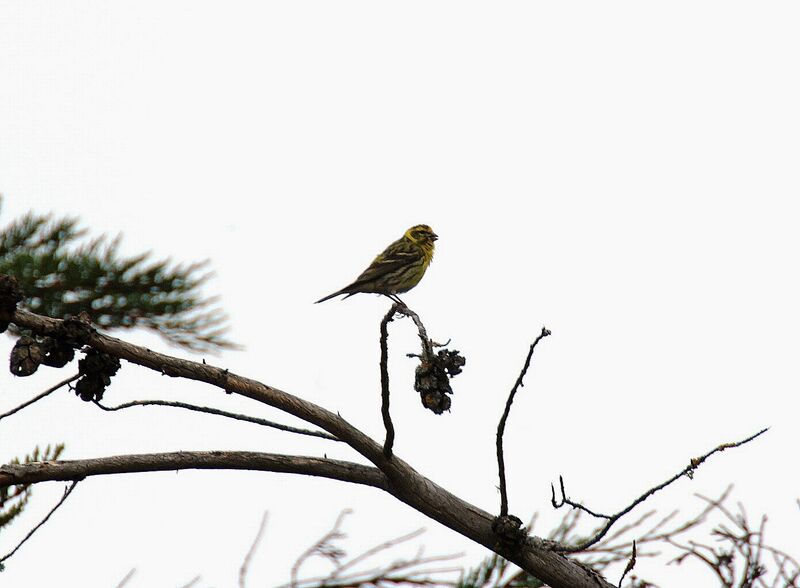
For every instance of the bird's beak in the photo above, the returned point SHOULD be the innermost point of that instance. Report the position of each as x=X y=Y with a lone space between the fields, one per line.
x=434 y=236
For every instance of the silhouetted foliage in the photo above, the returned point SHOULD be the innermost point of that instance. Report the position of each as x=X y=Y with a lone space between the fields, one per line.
x=62 y=272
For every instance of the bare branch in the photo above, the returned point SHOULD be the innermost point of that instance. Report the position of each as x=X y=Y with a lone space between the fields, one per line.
x=395 y=476
x=324 y=547
x=737 y=558
x=67 y=492
x=614 y=547
x=247 y=558
x=688 y=471
x=431 y=377
x=38 y=397
x=419 y=570
x=222 y=413
x=387 y=418
x=344 y=471
x=501 y=426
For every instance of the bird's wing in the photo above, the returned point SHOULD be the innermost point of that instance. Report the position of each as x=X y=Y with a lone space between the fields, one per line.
x=398 y=255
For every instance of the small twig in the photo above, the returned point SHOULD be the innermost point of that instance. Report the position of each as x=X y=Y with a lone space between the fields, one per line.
x=251 y=551
x=67 y=492
x=387 y=418
x=397 y=574
x=38 y=397
x=222 y=413
x=688 y=471
x=416 y=571
x=629 y=566
x=376 y=549
x=400 y=573
x=501 y=427
x=127 y=578
x=192 y=582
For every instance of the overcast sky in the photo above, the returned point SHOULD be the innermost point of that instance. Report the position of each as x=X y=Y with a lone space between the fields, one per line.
x=624 y=173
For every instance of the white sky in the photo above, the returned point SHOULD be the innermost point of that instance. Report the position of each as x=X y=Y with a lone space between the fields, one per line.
x=624 y=173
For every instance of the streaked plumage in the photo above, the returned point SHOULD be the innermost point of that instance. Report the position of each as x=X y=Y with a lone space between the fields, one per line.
x=398 y=269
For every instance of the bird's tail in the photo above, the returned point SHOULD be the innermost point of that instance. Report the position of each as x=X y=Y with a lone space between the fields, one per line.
x=329 y=296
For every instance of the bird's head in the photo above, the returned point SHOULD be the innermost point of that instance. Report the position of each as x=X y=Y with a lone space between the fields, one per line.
x=421 y=235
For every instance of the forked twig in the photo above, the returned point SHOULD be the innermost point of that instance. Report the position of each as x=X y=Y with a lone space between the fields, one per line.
x=323 y=547
x=688 y=471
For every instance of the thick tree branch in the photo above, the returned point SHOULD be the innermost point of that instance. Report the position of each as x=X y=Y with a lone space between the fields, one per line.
x=45 y=471
x=403 y=482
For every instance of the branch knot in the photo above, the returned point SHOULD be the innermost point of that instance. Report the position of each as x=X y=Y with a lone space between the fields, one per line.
x=75 y=331
x=509 y=529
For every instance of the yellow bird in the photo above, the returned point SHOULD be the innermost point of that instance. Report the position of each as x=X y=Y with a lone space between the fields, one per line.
x=398 y=269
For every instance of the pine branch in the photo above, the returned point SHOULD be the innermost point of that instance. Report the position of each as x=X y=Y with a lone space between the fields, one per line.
x=14 y=498
x=62 y=274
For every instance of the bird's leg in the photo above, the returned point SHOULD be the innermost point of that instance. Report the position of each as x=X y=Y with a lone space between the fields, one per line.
x=396 y=299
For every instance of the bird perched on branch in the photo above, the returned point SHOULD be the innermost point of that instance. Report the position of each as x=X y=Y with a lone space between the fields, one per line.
x=398 y=269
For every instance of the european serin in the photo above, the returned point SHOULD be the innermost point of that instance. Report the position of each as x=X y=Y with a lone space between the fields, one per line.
x=398 y=269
